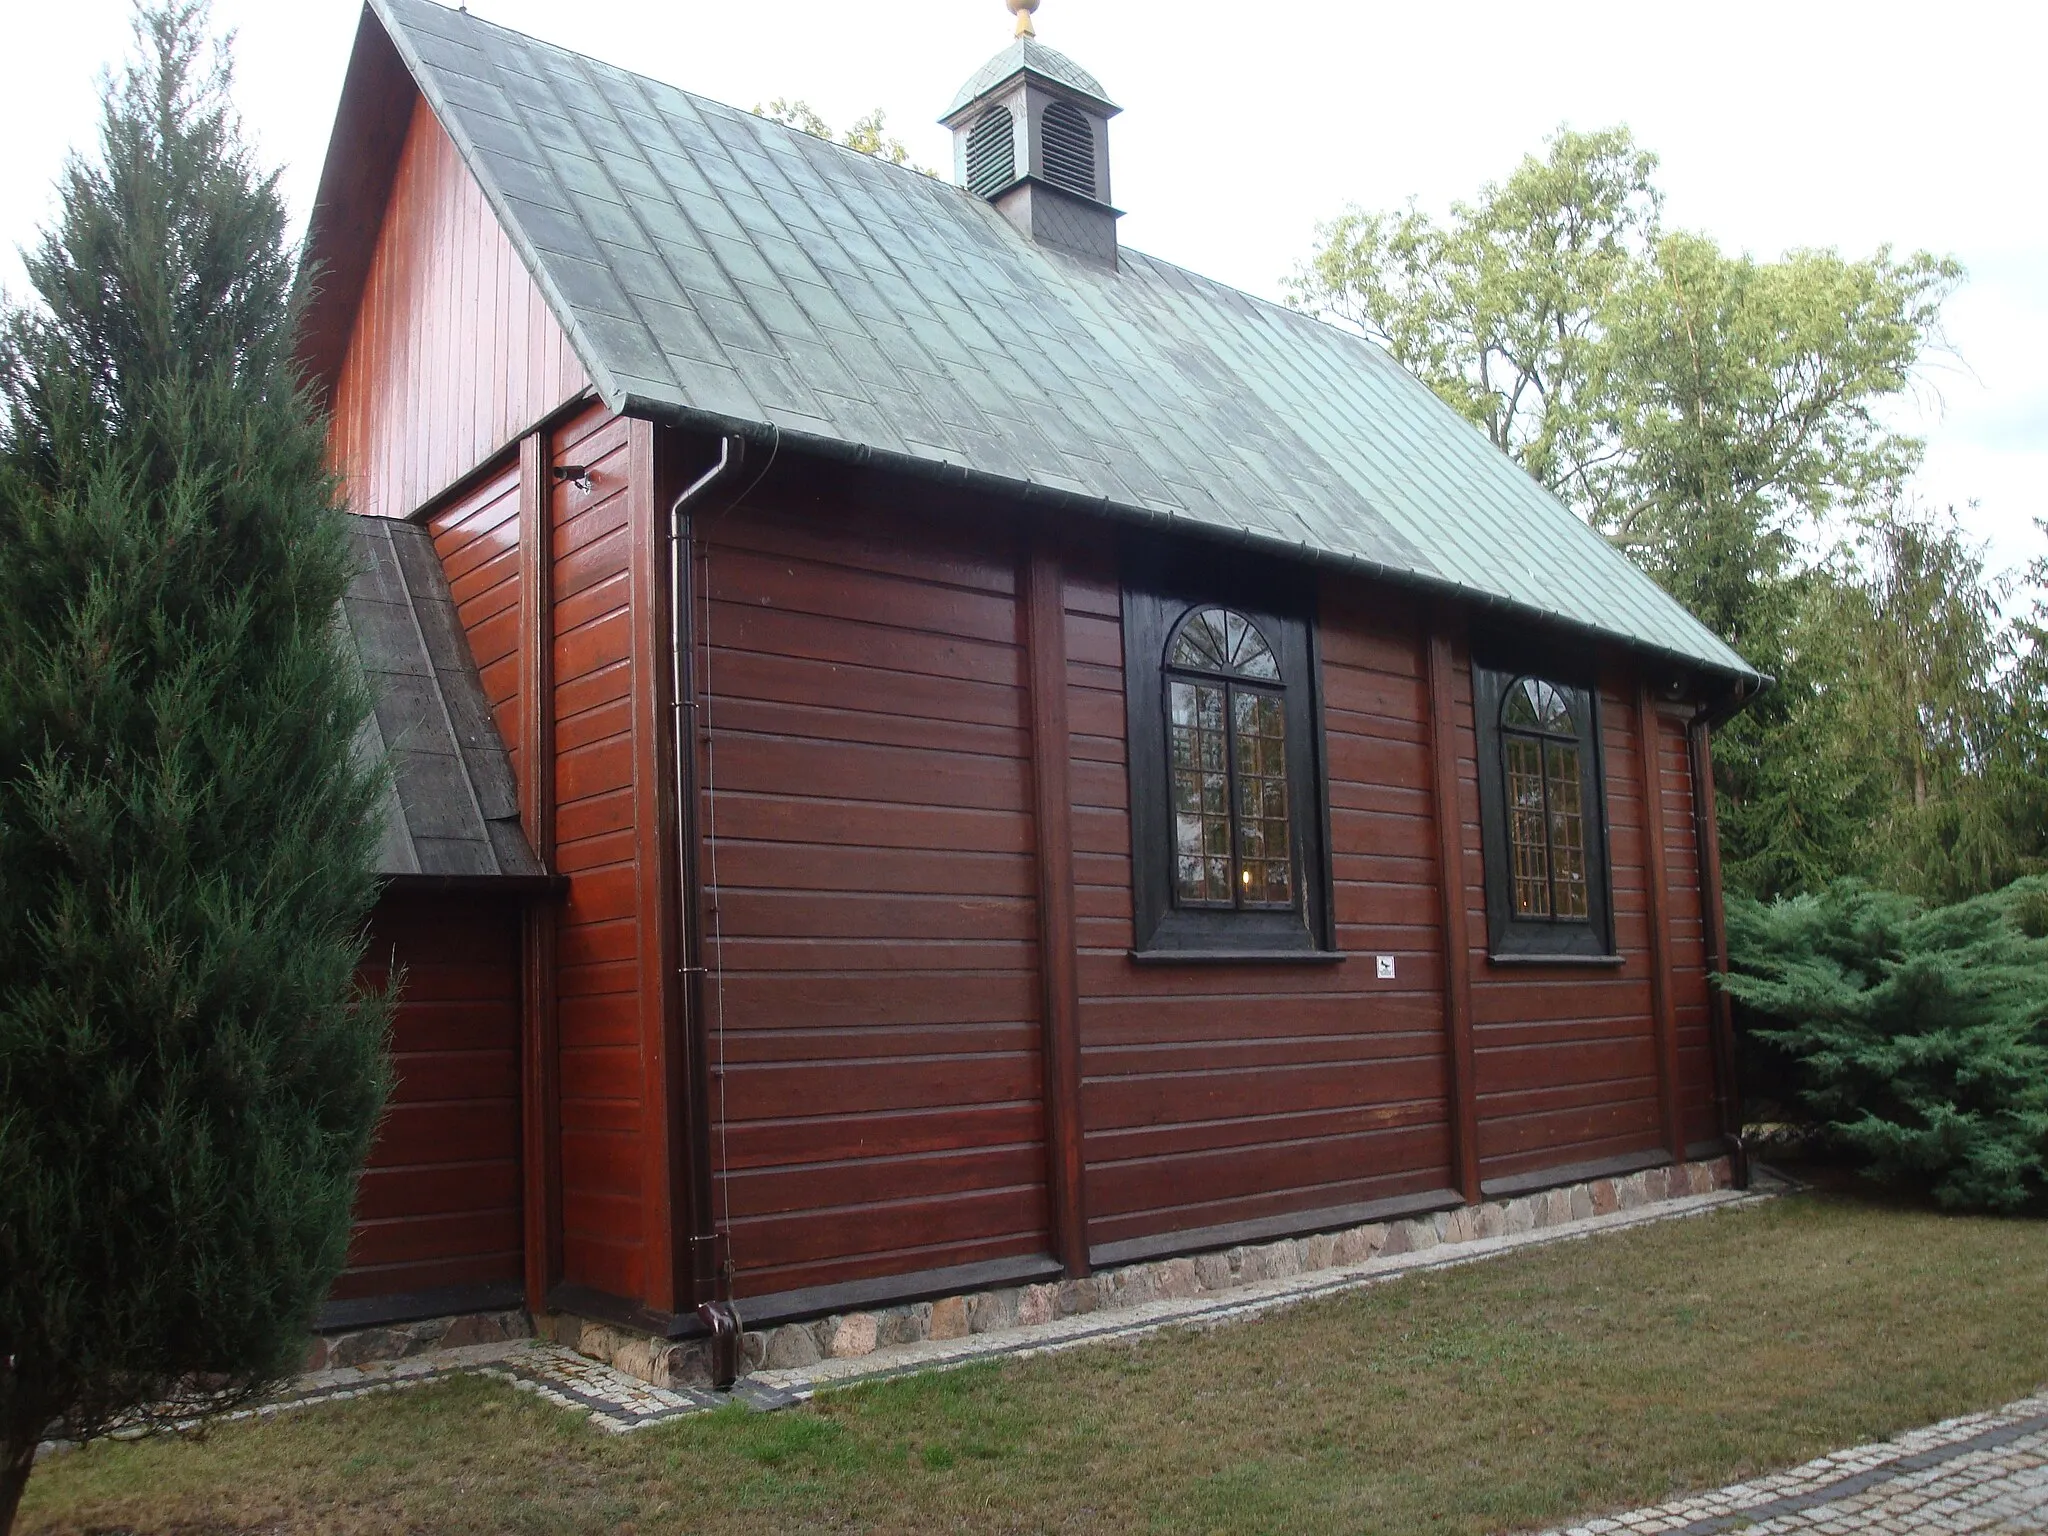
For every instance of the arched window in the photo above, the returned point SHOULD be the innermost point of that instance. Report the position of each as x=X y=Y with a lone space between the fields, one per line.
x=1226 y=739
x=1546 y=802
x=1542 y=812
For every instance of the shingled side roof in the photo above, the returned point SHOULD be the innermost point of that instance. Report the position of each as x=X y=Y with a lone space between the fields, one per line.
x=715 y=269
x=452 y=809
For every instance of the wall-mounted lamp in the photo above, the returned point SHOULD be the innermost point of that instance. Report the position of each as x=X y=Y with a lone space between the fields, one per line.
x=577 y=475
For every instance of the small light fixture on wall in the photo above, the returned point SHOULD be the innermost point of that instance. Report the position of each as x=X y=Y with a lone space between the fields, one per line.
x=577 y=475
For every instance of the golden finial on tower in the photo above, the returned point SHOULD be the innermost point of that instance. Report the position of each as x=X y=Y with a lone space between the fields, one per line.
x=1023 y=10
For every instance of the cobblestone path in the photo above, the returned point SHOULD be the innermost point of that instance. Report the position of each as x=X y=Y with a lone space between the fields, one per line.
x=1984 y=1473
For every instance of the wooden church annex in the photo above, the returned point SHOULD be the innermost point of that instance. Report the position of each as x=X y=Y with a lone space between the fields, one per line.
x=976 y=754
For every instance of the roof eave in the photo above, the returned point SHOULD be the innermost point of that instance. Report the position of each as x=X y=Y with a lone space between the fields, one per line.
x=1032 y=493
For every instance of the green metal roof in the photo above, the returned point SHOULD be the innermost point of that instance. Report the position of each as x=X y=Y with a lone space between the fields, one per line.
x=717 y=269
x=1029 y=54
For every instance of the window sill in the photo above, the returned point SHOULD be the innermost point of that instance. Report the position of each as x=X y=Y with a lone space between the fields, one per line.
x=1237 y=957
x=1595 y=960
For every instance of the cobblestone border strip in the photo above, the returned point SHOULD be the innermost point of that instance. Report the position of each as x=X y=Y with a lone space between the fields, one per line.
x=1828 y=1479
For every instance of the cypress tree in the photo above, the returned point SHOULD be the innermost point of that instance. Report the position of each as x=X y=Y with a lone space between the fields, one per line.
x=189 y=1074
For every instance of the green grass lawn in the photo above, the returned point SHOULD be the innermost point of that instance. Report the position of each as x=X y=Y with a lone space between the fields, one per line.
x=1515 y=1393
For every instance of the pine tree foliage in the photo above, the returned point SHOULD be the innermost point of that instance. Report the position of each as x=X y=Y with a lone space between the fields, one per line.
x=189 y=1077
x=1919 y=1036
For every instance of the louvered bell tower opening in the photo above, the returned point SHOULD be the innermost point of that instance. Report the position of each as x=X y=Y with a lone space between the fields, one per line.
x=992 y=152
x=1031 y=135
x=1069 y=149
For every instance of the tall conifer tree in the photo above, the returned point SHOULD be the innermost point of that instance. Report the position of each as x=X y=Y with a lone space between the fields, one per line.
x=189 y=1078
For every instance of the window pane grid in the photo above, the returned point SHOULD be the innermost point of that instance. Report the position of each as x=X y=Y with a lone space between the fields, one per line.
x=1567 y=831
x=1265 y=852
x=1526 y=840
x=1547 y=872
x=1198 y=751
x=1233 y=842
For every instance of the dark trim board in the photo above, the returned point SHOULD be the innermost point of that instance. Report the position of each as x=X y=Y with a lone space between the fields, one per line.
x=814 y=1301
x=1330 y=1218
x=1577 y=1173
x=418 y=1306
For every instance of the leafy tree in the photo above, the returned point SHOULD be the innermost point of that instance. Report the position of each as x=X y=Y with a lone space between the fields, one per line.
x=1917 y=1036
x=1500 y=309
x=1711 y=413
x=189 y=1077
x=868 y=135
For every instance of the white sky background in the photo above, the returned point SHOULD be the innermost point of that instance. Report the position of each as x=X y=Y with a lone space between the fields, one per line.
x=1781 y=123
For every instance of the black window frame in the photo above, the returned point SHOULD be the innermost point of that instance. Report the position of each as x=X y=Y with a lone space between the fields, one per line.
x=1160 y=589
x=1496 y=670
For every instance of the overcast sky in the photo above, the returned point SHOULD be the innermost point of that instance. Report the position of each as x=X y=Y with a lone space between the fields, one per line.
x=1781 y=123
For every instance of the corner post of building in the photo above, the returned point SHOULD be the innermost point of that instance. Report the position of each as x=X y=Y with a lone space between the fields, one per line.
x=1706 y=821
x=539 y=1087
x=1657 y=881
x=1442 y=628
x=664 y=1164
x=1045 y=636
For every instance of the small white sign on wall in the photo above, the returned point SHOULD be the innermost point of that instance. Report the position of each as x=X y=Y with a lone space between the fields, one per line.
x=1386 y=967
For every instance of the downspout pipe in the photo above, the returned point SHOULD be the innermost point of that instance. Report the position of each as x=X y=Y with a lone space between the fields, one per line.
x=1706 y=842
x=708 y=1278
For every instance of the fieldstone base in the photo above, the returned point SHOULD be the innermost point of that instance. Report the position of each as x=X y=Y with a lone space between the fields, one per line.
x=401 y=1341
x=794 y=1347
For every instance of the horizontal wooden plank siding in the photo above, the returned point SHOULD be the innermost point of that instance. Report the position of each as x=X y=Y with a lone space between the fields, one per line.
x=454 y=352
x=1219 y=1094
x=872 y=929
x=1567 y=1055
x=439 y=1204
x=599 y=927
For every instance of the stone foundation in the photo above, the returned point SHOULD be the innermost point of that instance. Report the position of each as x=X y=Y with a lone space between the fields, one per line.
x=853 y=1334
x=397 y=1341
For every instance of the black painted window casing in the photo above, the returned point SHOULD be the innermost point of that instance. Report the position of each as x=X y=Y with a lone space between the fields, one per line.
x=1513 y=935
x=1159 y=594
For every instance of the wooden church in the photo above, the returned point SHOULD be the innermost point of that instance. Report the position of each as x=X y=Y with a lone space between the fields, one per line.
x=934 y=751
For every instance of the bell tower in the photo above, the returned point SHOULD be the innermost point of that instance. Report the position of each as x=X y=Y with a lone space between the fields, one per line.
x=1031 y=135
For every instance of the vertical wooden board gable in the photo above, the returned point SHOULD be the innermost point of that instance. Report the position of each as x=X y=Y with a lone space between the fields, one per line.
x=440 y=1202
x=453 y=352
x=1214 y=1095
x=599 y=932
x=870 y=917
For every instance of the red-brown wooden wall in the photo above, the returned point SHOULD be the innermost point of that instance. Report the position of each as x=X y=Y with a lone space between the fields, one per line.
x=873 y=925
x=1215 y=1094
x=454 y=351
x=603 y=1012
x=439 y=1204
